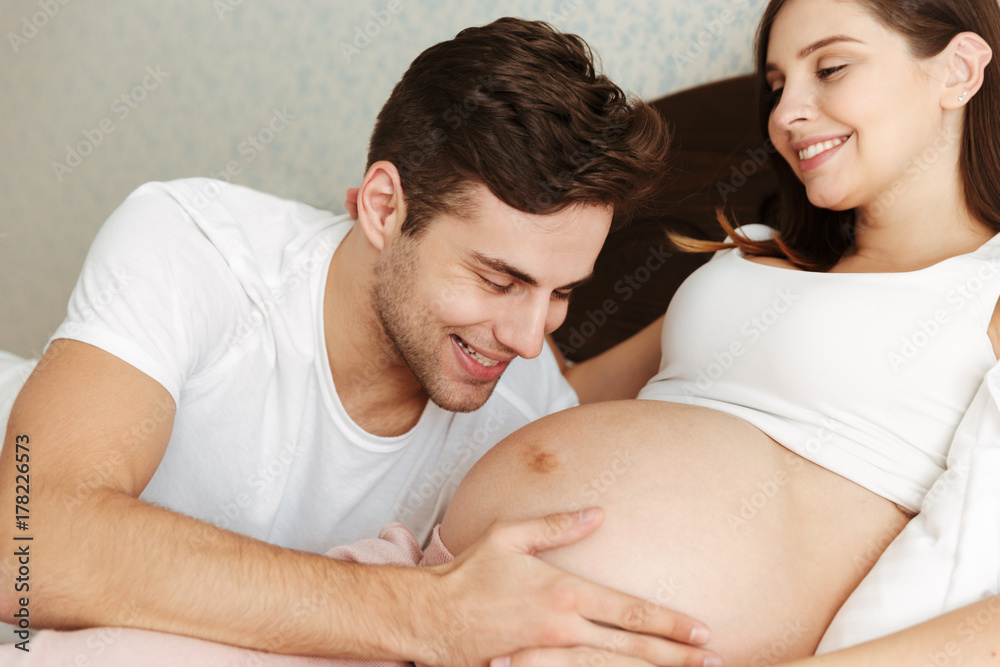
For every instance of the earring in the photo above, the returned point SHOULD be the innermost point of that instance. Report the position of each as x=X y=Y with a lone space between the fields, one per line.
x=961 y=98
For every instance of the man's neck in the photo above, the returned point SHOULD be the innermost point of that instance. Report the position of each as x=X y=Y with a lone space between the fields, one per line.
x=374 y=383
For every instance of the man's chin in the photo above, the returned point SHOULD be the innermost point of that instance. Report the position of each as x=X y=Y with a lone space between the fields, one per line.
x=464 y=398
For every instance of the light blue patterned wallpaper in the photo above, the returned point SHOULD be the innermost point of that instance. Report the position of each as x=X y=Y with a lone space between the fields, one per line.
x=160 y=89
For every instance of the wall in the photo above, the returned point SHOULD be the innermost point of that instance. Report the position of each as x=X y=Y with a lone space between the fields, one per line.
x=99 y=96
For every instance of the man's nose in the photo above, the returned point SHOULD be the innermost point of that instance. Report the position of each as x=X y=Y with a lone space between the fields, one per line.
x=522 y=326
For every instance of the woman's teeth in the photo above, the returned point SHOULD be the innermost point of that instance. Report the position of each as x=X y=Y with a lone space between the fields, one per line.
x=484 y=361
x=816 y=149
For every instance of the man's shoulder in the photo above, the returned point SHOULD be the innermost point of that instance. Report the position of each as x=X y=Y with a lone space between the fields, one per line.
x=203 y=197
x=237 y=220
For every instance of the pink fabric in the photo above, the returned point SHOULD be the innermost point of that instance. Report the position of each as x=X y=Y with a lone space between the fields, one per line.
x=126 y=647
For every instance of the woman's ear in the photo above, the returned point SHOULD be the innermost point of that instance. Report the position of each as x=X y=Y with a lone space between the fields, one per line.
x=381 y=209
x=966 y=58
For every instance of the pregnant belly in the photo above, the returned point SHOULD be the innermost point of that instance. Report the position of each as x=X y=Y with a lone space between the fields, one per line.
x=704 y=514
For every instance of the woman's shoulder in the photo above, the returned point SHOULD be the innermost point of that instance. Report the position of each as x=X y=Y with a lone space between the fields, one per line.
x=755 y=232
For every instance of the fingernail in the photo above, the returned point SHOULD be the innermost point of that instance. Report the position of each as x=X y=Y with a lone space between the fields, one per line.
x=700 y=636
x=712 y=661
x=586 y=516
x=505 y=662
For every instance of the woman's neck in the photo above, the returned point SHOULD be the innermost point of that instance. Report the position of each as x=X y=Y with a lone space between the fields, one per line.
x=925 y=223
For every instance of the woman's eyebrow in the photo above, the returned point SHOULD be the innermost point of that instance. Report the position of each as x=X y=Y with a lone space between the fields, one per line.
x=826 y=41
x=833 y=39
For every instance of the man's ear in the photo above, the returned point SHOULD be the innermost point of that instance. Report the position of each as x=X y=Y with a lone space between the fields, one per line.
x=381 y=208
x=966 y=58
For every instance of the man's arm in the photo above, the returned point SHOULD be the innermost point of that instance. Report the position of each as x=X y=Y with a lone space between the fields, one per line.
x=966 y=637
x=619 y=372
x=99 y=556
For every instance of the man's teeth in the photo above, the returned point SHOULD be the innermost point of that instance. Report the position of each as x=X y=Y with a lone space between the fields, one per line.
x=485 y=361
x=816 y=149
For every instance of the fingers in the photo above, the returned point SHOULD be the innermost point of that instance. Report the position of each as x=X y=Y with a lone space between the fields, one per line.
x=593 y=601
x=589 y=657
x=567 y=657
x=621 y=610
x=548 y=532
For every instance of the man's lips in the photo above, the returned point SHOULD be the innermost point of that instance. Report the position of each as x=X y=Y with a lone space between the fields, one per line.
x=480 y=365
x=474 y=352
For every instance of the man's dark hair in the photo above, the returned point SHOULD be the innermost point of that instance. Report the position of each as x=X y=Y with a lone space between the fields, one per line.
x=519 y=107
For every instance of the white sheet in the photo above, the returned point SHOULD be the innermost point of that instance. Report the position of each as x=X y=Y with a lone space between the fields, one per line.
x=949 y=555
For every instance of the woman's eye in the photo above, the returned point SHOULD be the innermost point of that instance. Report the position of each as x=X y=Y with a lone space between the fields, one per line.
x=827 y=72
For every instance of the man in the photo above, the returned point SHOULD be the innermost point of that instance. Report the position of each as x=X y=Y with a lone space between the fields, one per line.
x=272 y=381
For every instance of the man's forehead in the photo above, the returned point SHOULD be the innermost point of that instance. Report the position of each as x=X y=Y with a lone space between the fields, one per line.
x=484 y=208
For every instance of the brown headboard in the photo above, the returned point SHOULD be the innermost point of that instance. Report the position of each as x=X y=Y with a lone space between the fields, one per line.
x=719 y=159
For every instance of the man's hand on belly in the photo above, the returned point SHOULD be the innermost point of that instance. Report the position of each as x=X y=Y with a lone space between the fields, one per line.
x=496 y=600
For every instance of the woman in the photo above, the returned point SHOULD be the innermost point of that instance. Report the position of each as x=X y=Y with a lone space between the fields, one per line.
x=765 y=471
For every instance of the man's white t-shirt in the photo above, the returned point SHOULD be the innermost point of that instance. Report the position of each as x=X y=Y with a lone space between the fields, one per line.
x=216 y=292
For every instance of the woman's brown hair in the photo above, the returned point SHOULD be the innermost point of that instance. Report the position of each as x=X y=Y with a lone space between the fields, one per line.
x=814 y=238
x=518 y=106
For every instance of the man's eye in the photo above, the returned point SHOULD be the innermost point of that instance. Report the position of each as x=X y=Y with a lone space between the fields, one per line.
x=499 y=289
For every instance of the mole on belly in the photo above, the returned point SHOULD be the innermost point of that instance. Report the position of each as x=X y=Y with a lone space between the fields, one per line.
x=542 y=461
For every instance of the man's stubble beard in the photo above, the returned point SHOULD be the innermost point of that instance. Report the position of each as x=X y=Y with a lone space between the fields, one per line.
x=410 y=327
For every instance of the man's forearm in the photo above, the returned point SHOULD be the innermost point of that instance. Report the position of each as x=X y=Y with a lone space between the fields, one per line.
x=966 y=637
x=119 y=561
